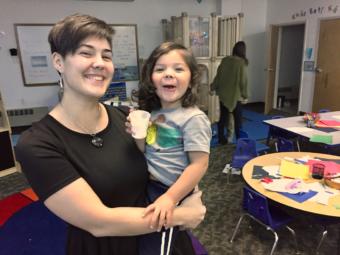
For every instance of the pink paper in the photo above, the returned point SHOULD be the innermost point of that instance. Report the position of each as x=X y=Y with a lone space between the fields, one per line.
x=328 y=123
x=331 y=168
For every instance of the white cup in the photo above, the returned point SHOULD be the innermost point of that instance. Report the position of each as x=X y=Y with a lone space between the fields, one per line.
x=139 y=123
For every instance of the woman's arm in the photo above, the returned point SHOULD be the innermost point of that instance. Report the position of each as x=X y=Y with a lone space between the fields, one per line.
x=164 y=205
x=78 y=205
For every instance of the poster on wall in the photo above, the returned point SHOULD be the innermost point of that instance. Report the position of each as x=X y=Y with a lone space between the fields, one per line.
x=35 y=55
x=125 y=53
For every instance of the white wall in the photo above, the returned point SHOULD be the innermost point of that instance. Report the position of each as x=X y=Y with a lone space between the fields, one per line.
x=285 y=12
x=147 y=14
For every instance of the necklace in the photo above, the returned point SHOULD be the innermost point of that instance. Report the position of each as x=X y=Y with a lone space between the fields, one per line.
x=96 y=141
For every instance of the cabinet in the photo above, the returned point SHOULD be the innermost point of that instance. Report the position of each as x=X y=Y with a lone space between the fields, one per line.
x=210 y=39
x=7 y=158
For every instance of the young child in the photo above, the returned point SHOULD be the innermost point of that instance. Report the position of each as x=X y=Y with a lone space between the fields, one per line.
x=177 y=146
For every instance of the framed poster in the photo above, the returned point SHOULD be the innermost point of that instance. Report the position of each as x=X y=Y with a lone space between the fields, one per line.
x=125 y=53
x=35 y=55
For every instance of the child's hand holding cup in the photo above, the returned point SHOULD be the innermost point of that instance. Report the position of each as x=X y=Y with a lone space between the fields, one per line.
x=139 y=121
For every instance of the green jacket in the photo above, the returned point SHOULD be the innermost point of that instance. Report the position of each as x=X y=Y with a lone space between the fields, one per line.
x=231 y=82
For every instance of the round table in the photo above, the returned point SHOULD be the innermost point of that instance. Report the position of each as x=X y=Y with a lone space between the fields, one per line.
x=307 y=206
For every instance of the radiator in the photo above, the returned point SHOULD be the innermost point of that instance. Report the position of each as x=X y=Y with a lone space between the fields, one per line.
x=25 y=117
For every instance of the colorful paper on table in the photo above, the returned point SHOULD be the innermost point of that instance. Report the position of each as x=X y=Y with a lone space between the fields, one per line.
x=321 y=139
x=294 y=170
x=259 y=172
x=331 y=167
x=300 y=197
x=328 y=159
x=328 y=123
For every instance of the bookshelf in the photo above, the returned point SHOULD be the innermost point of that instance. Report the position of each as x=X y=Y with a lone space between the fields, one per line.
x=7 y=158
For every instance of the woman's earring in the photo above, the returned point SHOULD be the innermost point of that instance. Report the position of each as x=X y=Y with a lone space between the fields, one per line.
x=61 y=89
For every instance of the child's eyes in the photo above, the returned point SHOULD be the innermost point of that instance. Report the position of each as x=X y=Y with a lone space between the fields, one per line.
x=179 y=69
x=158 y=70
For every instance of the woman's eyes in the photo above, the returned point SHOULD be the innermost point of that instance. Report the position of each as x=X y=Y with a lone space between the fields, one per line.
x=90 y=54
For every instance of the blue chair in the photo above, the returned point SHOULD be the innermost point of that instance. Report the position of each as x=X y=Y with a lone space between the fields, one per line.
x=275 y=132
x=260 y=147
x=324 y=222
x=245 y=151
x=283 y=144
x=256 y=207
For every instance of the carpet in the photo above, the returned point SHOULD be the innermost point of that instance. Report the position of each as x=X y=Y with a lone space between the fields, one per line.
x=33 y=230
x=11 y=205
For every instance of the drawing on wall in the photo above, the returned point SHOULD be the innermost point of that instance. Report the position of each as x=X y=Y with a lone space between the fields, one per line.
x=35 y=54
x=125 y=53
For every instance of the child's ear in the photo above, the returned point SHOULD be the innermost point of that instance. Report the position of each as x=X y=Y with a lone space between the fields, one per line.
x=58 y=62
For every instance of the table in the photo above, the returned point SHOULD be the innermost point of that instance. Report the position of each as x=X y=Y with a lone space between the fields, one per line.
x=296 y=125
x=307 y=206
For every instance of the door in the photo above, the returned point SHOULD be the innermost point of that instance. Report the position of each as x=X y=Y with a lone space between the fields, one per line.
x=271 y=68
x=327 y=75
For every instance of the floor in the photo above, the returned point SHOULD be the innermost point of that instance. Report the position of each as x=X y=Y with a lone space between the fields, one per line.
x=224 y=206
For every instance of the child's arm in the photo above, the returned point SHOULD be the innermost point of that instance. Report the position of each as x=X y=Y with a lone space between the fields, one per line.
x=164 y=205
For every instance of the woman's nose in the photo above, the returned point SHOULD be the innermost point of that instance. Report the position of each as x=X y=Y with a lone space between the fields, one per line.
x=98 y=62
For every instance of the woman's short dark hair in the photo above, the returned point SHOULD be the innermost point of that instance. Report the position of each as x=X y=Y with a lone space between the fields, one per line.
x=66 y=35
x=146 y=94
x=239 y=50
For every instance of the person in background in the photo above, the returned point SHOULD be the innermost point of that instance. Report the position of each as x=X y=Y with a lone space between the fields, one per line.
x=230 y=84
x=79 y=159
x=177 y=145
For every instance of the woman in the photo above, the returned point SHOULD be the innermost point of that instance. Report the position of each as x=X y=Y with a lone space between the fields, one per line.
x=230 y=84
x=79 y=159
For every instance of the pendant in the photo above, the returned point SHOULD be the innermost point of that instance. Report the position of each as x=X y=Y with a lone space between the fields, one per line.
x=97 y=141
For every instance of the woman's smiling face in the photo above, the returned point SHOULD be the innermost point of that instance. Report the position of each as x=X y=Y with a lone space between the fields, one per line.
x=89 y=70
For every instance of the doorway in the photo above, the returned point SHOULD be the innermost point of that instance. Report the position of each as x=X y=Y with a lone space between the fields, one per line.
x=284 y=68
x=327 y=76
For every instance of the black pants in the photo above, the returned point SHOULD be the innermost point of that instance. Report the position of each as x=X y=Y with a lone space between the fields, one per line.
x=224 y=121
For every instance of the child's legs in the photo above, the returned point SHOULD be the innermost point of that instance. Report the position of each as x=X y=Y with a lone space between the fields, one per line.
x=151 y=244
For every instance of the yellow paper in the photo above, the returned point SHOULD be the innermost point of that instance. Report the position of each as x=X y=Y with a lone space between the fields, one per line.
x=294 y=170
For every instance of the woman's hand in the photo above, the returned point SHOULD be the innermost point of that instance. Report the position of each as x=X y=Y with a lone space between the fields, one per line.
x=192 y=211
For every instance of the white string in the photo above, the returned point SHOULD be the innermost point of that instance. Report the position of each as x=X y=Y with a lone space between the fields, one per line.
x=169 y=242
x=163 y=241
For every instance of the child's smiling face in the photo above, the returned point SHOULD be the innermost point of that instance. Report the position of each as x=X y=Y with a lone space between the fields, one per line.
x=171 y=77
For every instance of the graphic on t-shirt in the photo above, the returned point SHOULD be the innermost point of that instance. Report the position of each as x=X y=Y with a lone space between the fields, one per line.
x=164 y=136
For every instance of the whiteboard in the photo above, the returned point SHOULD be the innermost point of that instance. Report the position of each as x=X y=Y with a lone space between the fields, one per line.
x=35 y=55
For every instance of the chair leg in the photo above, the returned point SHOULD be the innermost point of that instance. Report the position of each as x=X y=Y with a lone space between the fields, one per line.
x=324 y=234
x=275 y=242
x=298 y=145
x=236 y=228
x=295 y=240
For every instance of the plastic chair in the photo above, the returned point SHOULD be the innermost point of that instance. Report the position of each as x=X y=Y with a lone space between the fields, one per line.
x=245 y=151
x=324 y=222
x=257 y=208
x=283 y=144
x=260 y=147
x=198 y=247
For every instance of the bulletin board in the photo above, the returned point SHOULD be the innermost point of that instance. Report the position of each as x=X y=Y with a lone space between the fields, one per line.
x=35 y=55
